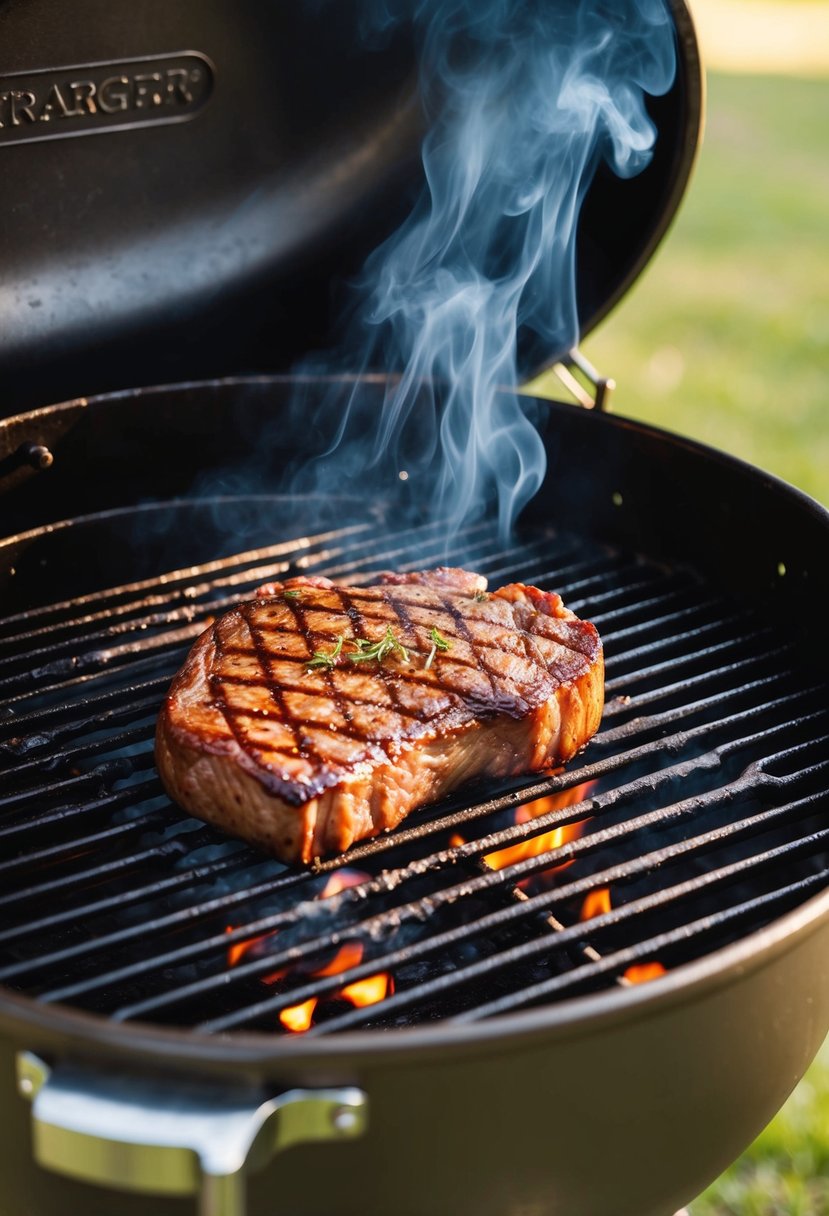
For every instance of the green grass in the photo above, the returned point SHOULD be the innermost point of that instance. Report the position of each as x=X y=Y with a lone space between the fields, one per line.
x=786 y=1171
x=726 y=338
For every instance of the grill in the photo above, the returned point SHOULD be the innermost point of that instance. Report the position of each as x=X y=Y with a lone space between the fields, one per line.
x=700 y=801
x=580 y=992
x=409 y=997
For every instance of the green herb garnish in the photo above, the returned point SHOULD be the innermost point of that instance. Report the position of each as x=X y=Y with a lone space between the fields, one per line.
x=323 y=658
x=377 y=651
x=480 y=596
x=439 y=642
x=290 y=595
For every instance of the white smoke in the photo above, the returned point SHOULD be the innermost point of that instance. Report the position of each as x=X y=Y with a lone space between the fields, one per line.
x=523 y=100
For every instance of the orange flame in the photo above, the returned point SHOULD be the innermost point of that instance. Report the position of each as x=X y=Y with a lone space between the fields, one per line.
x=368 y=991
x=341 y=880
x=236 y=951
x=547 y=841
x=299 y=1017
x=596 y=903
x=641 y=973
x=347 y=956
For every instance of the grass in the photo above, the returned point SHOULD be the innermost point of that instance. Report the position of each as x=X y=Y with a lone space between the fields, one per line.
x=786 y=1170
x=726 y=338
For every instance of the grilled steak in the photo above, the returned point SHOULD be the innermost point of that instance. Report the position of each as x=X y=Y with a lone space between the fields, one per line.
x=316 y=714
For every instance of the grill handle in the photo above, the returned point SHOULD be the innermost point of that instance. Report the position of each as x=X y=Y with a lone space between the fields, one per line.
x=139 y=1134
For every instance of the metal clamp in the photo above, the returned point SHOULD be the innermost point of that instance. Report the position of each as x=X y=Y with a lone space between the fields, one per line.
x=601 y=386
x=186 y=1139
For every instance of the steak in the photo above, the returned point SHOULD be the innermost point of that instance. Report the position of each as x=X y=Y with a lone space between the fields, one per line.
x=316 y=714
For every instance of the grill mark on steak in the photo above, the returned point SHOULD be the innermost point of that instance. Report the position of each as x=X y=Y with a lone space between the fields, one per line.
x=411 y=676
x=341 y=704
x=234 y=714
x=390 y=676
x=406 y=622
x=464 y=631
x=220 y=701
x=276 y=689
x=306 y=760
x=276 y=692
x=385 y=675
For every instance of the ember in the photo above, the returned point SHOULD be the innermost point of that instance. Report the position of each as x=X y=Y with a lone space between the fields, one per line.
x=547 y=842
x=236 y=951
x=367 y=991
x=598 y=903
x=643 y=972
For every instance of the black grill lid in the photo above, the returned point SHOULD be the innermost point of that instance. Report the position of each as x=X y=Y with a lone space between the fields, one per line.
x=241 y=159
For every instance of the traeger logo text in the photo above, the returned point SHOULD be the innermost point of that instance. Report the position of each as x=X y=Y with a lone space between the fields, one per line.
x=102 y=97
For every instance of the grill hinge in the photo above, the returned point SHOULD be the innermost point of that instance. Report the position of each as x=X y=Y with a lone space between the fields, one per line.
x=174 y=1138
x=597 y=393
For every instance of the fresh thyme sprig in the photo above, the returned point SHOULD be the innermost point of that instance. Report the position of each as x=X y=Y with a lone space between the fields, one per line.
x=367 y=651
x=326 y=658
x=439 y=642
x=388 y=644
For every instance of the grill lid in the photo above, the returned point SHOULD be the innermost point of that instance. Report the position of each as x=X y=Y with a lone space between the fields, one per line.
x=192 y=179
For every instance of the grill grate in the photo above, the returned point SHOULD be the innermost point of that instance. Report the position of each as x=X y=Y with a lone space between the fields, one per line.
x=697 y=812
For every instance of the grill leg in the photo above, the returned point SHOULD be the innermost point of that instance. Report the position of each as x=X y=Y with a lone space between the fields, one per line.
x=223 y=1195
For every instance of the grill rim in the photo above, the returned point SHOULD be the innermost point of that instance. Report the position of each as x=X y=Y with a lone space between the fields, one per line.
x=27 y=426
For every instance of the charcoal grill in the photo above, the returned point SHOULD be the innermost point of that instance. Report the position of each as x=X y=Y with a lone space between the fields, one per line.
x=515 y=1067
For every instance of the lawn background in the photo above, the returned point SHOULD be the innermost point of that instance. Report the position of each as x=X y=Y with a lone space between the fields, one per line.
x=726 y=338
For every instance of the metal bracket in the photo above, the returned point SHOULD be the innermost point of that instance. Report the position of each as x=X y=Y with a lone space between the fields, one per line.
x=182 y=1139
x=601 y=386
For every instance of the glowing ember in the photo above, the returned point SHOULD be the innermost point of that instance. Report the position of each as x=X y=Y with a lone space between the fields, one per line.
x=368 y=991
x=547 y=841
x=596 y=904
x=641 y=973
x=341 y=880
x=347 y=956
x=236 y=951
x=299 y=1017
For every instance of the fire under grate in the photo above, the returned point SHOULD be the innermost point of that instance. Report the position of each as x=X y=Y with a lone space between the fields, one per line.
x=696 y=816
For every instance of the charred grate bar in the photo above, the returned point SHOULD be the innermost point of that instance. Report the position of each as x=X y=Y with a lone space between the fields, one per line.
x=693 y=818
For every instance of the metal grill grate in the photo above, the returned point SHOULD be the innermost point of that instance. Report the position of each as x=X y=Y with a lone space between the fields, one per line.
x=697 y=804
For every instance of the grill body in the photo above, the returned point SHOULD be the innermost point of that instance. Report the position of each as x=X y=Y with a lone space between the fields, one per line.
x=614 y=1102
x=613 y=1112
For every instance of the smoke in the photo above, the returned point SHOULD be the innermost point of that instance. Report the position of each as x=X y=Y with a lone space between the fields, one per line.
x=523 y=100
